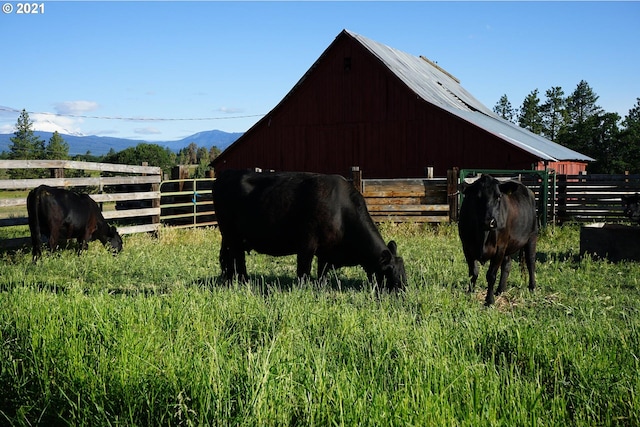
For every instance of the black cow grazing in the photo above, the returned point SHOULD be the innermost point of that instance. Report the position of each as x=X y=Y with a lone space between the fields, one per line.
x=496 y=220
x=61 y=214
x=631 y=206
x=304 y=214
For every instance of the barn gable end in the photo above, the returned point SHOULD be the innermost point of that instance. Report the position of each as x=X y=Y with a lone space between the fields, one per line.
x=390 y=113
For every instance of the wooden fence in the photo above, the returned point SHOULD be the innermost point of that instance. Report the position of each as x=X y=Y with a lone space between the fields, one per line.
x=137 y=200
x=129 y=195
x=404 y=200
x=593 y=197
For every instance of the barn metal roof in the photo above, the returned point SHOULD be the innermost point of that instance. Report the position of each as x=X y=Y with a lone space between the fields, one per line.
x=438 y=87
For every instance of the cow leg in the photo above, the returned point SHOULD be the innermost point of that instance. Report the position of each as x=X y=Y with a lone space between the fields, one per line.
x=226 y=262
x=505 y=269
x=83 y=242
x=492 y=273
x=241 y=265
x=232 y=262
x=304 y=265
x=530 y=260
x=53 y=239
x=474 y=270
x=36 y=243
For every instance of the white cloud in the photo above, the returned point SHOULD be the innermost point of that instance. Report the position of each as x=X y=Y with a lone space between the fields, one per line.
x=230 y=110
x=75 y=107
x=147 y=131
x=7 y=129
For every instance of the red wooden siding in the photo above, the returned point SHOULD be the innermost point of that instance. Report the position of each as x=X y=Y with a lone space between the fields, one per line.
x=365 y=116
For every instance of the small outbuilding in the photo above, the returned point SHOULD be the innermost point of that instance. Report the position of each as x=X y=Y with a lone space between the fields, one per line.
x=393 y=114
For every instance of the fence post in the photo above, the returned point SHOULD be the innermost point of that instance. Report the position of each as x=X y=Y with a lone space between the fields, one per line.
x=452 y=193
x=428 y=171
x=356 y=176
x=155 y=203
x=180 y=172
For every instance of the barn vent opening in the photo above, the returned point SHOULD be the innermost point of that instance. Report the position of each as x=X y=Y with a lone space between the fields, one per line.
x=347 y=63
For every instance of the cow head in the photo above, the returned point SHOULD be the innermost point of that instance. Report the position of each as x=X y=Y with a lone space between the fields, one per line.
x=631 y=205
x=392 y=269
x=114 y=239
x=486 y=195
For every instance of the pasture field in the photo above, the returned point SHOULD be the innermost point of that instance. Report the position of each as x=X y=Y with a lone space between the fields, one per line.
x=151 y=337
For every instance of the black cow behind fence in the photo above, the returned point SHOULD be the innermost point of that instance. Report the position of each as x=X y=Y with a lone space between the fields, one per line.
x=61 y=214
x=303 y=214
x=496 y=220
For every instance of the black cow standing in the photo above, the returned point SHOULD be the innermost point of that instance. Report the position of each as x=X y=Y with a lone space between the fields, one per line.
x=61 y=214
x=496 y=220
x=303 y=214
x=631 y=205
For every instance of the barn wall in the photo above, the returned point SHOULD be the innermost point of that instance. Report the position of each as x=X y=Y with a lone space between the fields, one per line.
x=351 y=110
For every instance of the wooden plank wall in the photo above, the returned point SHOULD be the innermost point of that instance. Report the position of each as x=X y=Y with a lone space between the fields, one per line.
x=108 y=184
x=407 y=200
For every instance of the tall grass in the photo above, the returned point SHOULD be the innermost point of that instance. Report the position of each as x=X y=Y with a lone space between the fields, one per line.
x=151 y=337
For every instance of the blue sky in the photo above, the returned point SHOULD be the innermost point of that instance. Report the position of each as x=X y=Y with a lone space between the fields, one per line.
x=222 y=65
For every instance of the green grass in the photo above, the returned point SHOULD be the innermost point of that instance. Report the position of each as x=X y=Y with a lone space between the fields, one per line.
x=151 y=337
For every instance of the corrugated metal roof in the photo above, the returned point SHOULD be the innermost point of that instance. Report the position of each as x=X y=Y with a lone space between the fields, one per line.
x=440 y=88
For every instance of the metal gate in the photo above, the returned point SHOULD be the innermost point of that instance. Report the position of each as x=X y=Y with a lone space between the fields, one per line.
x=187 y=202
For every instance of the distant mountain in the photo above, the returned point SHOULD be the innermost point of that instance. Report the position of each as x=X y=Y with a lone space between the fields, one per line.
x=100 y=145
x=207 y=139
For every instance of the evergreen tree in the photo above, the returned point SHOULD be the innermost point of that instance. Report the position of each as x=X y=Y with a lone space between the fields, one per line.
x=583 y=121
x=203 y=155
x=25 y=145
x=57 y=148
x=605 y=144
x=213 y=153
x=529 y=117
x=581 y=104
x=554 y=113
x=504 y=109
x=630 y=139
x=192 y=153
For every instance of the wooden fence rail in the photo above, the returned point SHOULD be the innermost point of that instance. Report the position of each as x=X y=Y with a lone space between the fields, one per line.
x=129 y=195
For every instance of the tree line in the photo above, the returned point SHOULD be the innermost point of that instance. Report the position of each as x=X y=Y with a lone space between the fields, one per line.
x=577 y=122
x=26 y=145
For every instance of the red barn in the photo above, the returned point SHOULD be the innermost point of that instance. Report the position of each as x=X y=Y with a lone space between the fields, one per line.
x=392 y=114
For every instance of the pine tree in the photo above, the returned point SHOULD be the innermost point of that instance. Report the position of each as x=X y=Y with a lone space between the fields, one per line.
x=529 y=117
x=581 y=104
x=554 y=113
x=630 y=139
x=605 y=144
x=57 y=148
x=25 y=145
x=504 y=109
x=583 y=121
